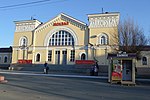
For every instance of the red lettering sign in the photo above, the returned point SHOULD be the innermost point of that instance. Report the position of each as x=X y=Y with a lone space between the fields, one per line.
x=61 y=24
x=85 y=62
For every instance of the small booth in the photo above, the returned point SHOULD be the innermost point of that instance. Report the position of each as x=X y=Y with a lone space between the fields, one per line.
x=122 y=68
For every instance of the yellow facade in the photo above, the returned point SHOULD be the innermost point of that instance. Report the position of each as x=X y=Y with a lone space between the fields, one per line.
x=64 y=39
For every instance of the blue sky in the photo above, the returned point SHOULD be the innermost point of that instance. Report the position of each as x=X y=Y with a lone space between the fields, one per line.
x=138 y=10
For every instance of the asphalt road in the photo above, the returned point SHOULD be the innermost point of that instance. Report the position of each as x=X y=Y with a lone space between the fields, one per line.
x=41 y=87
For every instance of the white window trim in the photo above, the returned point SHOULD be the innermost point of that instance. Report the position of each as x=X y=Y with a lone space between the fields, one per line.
x=142 y=60
x=83 y=53
x=36 y=56
x=51 y=54
x=57 y=29
x=20 y=40
x=72 y=55
x=99 y=38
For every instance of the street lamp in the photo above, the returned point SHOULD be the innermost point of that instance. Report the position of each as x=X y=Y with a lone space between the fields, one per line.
x=93 y=52
x=23 y=48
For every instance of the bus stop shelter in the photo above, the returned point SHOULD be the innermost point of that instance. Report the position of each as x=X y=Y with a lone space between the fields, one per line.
x=122 y=68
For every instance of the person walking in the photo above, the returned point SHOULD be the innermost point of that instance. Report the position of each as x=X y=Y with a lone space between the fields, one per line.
x=96 y=69
x=46 y=68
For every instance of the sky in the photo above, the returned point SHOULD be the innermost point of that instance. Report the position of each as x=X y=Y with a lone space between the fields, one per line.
x=138 y=10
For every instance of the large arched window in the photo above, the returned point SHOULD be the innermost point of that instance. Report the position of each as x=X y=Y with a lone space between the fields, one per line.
x=144 y=61
x=38 y=57
x=103 y=39
x=23 y=41
x=83 y=56
x=61 y=38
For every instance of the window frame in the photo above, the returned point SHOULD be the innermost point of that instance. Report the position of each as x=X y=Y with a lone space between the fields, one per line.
x=81 y=57
x=144 y=62
x=103 y=39
x=49 y=55
x=23 y=41
x=72 y=55
x=5 y=59
x=38 y=59
x=61 y=38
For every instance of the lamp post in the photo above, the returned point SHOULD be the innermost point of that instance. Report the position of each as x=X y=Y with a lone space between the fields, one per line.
x=93 y=52
x=106 y=55
x=23 y=49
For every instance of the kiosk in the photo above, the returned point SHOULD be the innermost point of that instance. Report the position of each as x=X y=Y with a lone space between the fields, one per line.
x=122 y=68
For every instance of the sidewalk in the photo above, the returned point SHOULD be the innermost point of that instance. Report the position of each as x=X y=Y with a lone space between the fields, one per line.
x=54 y=74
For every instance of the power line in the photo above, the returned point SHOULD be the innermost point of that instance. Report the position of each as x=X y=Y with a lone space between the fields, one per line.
x=25 y=4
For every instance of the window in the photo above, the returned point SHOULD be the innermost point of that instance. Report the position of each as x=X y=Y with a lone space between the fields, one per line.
x=38 y=57
x=0 y=59
x=61 y=38
x=144 y=61
x=5 y=59
x=83 y=56
x=72 y=56
x=103 y=39
x=23 y=41
x=49 y=55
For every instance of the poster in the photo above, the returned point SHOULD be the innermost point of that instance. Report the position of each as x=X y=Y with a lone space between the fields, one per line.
x=117 y=70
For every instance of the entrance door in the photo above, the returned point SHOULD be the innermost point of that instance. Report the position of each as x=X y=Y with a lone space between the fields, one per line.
x=57 y=57
x=127 y=70
x=64 y=59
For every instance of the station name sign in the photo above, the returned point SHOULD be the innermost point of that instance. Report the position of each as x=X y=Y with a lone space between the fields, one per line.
x=61 y=23
x=122 y=55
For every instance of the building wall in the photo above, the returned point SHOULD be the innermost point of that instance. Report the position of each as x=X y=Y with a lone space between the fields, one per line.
x=140 y=61
x=2 y=58
x=103 y=35
x=38 y=36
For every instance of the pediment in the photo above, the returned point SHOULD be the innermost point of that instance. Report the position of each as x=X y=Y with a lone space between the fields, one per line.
x=62 y=20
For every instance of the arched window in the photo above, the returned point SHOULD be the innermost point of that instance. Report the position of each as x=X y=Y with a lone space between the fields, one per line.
x=5 y=59
x=144 y=61
x=38 y=57
x=61 y=38
x=23 y=41
x=83 y=56
x=103 y=39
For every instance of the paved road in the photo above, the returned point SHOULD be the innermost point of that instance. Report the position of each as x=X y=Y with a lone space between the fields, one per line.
x=48 y=87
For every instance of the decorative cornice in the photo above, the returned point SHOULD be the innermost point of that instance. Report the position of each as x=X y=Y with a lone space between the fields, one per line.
x=105 y=20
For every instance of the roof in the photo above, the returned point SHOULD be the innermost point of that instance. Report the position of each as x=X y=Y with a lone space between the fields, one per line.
x=6 y=50
x=103 y=14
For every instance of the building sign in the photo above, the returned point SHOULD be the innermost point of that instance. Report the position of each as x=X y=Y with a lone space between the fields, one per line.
x=21 y=61
x=122 y=55
x=61 y=23
x=85 y=62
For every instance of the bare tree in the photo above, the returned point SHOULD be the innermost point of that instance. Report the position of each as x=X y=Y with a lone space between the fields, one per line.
x=131 y=37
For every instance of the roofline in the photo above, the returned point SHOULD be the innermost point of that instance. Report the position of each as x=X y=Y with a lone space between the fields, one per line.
x=106 y=13
x=26 y=21
x=79 y=21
